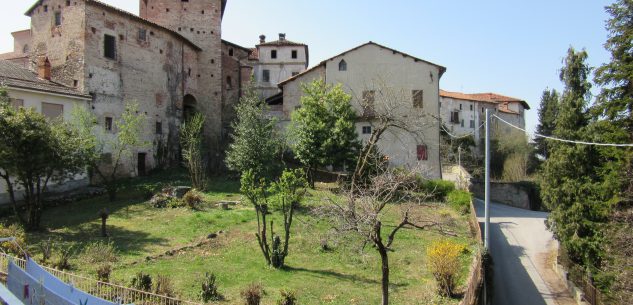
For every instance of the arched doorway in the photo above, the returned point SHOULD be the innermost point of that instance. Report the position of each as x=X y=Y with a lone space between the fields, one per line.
x=189 y=107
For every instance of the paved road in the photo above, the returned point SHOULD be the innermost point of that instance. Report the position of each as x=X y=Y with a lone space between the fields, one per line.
x=520 y=245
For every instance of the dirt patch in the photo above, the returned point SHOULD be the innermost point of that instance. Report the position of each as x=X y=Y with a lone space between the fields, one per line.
x=556 y=285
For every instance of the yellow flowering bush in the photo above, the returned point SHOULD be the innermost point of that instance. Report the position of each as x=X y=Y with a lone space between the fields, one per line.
x=443 y=262
x=13 y=247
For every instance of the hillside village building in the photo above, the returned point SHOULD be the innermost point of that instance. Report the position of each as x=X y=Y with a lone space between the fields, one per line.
x=464 y=114
x=54 y=101
x=170 y=60
x=368 y=72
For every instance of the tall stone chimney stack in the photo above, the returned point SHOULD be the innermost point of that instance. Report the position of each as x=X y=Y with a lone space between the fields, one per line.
x=262 y=38
x=43 y=68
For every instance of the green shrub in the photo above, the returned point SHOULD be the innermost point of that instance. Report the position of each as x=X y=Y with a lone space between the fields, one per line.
x=99 y=252
x=210 y=288
x=287 y=298
x=142 y=281
x=193 y=198
x=459 y=200
x=253 y=294
x=103 y=272
x=16 y=247
x=437 y=189
x=61 y=261
x=174 y=202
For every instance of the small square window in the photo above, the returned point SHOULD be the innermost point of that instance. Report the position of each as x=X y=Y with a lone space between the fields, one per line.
x=142 y=34
x=58 y=18
x=294 y=54
x=273 y=54
x=108 y=124
x=422 y=153
x=266 y=76
x=366 y=129
x=109 y=46
x=418 y=98
x=159 y=128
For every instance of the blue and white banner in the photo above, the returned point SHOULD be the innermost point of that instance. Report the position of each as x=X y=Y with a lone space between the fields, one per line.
x=31 y=291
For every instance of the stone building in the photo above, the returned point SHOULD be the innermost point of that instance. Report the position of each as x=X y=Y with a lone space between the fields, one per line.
x=277 y=61
x=464 y=114
x=36 y=90
x=170 y=59
x=411 y=88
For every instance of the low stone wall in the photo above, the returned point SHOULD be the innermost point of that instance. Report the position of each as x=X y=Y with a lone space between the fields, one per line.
x=518 y=195
x=472 y=295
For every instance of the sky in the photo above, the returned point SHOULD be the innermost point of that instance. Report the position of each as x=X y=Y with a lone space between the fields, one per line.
x=509 y=47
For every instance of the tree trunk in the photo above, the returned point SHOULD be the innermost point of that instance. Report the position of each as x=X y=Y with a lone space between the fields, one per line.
x=385 y=274
x=111 y=192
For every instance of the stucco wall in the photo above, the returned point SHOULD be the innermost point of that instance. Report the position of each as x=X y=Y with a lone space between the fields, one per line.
x=281 y=68
x=34 y=100
x=374 y=68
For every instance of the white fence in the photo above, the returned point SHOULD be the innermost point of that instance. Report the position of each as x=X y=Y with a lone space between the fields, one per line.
x=111 y=292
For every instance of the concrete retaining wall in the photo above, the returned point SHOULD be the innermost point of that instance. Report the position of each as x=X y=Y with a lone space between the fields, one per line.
x=513 y=194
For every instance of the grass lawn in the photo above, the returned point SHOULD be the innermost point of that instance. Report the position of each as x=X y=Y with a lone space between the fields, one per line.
x=343 y=275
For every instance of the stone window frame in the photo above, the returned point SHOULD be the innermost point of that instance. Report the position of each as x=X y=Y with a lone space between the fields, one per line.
x=294 y=54
x=266 y=76
x=57 y=18
x=109 y=42
x=273 y=54
x=366 y=129
x=108 y=123
x=342 y=65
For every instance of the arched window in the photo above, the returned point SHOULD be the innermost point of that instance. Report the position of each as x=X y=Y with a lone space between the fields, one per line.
x=229 y=83
x=342 y=66
x=25 y=49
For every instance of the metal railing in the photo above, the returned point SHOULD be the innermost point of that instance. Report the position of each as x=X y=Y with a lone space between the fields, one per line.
x=107 y=291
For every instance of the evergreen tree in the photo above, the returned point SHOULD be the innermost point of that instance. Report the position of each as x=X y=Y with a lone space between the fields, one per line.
x=256 y=144
x=612 y=116
x=547 y=113
x=322 y=130
x=570 y=183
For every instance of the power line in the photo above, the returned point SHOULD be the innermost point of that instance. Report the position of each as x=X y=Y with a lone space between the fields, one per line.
x=562 y=140
x=459 y=137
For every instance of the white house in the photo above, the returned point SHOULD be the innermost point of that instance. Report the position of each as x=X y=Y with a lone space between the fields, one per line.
x=377 y=75
x=277 y=61
x=464 y=114
x=35 y=90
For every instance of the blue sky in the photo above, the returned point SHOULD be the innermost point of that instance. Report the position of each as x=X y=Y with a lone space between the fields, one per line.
x=509 y=47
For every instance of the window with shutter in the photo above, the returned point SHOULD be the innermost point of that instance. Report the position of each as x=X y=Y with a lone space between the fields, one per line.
x=52 y=111
x=418 y=98
x=422 y=153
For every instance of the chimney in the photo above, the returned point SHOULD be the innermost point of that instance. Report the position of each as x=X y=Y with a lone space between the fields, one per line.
x=262 y=38
x=282 y=36
x=43 y=68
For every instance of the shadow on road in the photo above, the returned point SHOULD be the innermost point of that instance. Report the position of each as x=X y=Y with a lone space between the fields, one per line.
x=512 y=283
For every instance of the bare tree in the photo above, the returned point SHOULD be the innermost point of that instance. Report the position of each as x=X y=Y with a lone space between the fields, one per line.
x=375 y=188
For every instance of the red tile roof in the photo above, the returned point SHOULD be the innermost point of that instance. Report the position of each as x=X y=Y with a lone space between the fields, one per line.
x=484 y=97
x=254 y=54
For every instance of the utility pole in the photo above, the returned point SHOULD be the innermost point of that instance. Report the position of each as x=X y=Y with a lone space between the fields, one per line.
x=487 y=201
x=487 y=185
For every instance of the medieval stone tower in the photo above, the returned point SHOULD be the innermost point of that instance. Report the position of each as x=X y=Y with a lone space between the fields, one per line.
x=199 y=21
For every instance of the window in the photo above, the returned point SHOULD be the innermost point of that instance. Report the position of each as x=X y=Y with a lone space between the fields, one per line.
x=16 y=103
x=273 y=54
x=231 y=52
x=460 y=107
x=52 y=111
x=418 y=98
x=342 y=65
x=25 y=49
x=159 y=128
x=67 y=2
x=109 y=46
x=366 y=129
x=367 y=103
x=462 y=123
x=58 y=18
x=471 y=107
x=108 y=124
x=455 y=117
x=45 y=8
x=472 y=124
x=266 y=76
x=422 y=153
x=294 y=54
x=142 y=34
x=229 y=83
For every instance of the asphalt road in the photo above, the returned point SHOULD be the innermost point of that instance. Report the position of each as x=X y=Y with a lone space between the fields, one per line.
x=519 y=244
